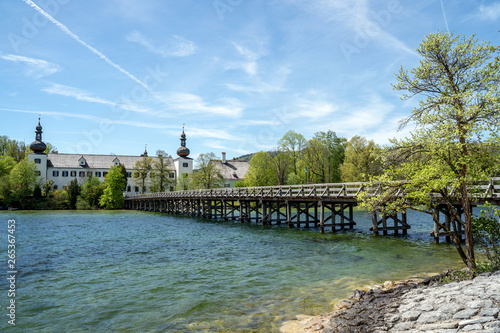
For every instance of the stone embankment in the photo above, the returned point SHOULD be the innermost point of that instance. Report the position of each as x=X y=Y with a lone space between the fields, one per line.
x=410 y=307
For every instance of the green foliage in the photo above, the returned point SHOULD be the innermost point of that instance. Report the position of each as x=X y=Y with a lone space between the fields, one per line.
x=207 y=175
x=15 y=149
x=184 y=182
x=73 y=193
x=336 y=147
x=294 y=179
x=457 y=121
x=115 y=183
x=91 y=192
x=48 y=187
x=240 y=183
x=260 y=171
x=486 y=232
x=160 y=173
x=23 y=179
x=292 y=143
x=361 y=160
x=281 y=164
x=59 y=200
x=7 y=163
x=141 y=172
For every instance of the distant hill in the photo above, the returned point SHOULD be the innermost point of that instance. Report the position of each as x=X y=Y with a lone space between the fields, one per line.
x=248 y=157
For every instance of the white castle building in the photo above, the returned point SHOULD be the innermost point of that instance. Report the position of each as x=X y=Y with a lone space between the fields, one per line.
x=63 y=168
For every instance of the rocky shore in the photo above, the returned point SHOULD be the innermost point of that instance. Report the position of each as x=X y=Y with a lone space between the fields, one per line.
x=412 y=307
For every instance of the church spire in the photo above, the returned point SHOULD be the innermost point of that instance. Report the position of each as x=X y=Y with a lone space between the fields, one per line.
x=183 y=151
x=37 y=146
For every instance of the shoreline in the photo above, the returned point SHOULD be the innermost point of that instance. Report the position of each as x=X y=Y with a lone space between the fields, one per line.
x=415 y=305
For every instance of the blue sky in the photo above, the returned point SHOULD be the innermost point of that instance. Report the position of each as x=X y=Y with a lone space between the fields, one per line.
x=111 y=76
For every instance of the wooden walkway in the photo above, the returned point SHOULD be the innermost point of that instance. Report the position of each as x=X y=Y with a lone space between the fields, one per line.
x=328 y=207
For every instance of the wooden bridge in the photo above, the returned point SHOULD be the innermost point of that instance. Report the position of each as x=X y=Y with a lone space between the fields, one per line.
x=328 y=207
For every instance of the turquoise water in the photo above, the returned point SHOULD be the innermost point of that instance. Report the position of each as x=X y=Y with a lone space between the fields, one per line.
x=144 y=272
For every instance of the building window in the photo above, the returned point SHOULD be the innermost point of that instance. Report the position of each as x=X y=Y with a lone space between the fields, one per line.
x=136 y=189
x=227 y=185
x=38 y=161
x=89 y=173
x=98 y=173
x=81 y=174
x=104 y=173
x=65 y=173
x=73 y=173
x=56 y=187
x=185 y=165
x=129 y=188
x=129 y=174
x=55 y=173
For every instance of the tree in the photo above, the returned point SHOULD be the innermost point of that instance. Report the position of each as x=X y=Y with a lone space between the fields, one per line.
x=92 y=190
x=115 y=185
x=260 y=172
x=13 y=148
x=316 y=159
x=361 y=160
x=184 y=182
x=23 y=179
x=458 y=116
x=336 y=146
x=73 y=193
x=207 y=174
x=160 y=173
x=7 y=163
x=141 y=172
x=281 y=164
x=292 y=143
x=48 y=187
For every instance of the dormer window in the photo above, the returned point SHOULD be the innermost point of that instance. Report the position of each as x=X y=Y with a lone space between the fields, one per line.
x=82 y=162
x=116 y=162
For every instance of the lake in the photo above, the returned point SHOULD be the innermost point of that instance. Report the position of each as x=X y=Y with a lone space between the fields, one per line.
x=126 y=271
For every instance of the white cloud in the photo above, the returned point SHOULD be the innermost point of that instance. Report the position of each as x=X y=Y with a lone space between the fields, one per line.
x=249 y=65
x=81 y=95
x=35 y=67
x=175 y=47
x=275 y=83
x=490 y=12
x=229 y=107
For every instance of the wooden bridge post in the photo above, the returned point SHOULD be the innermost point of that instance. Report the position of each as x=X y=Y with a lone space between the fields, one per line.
x=321 y=217
x=375 y=222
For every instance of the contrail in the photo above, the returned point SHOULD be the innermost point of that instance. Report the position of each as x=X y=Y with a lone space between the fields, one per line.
x=444 y=16
x=75 y=37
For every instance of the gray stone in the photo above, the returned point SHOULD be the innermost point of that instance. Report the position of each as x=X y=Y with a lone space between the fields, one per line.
x=403 y=327
x=479 y=304
x=475 y=321
x=466 y=314
x=410 y=315
x=475 y=327
x=451 y=308
x=439 y=326
x=431 y=317
x=489 y=312
x=493 y=324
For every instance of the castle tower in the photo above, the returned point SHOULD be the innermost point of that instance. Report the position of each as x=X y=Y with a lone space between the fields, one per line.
x=38 y=156
x=183 y=164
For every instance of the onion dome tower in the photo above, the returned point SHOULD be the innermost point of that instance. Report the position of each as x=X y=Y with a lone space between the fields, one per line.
x=37 y=146
x=183 y=151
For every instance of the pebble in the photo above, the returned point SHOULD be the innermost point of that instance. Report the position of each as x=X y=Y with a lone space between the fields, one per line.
x=467 y=306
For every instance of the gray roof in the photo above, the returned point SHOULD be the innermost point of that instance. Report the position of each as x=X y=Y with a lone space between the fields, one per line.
x=233 y=169
x=94 y=161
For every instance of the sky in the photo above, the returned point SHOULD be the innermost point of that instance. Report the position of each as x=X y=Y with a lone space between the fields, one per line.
x=110 y=77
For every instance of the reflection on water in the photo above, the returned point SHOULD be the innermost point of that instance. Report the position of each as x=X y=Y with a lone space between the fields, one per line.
x=129 y=271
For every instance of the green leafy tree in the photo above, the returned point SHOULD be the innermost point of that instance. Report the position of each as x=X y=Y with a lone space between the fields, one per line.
x=23 y=179
x=48 y=187
x=458 y=78
x=207 y=175
x=115 y=185
x=281 y=164
x=141 y=172
x=315 y=158
x=161 y=170
x=336 y=147
x=361 y=160
x=15 y=149
x=91 y=193
x=293 y=143
x=74 y=190
x=260 y=172
x=7 y=163
x=184 y=182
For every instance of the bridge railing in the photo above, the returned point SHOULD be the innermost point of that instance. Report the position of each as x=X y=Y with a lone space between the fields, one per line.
x=489 y=189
